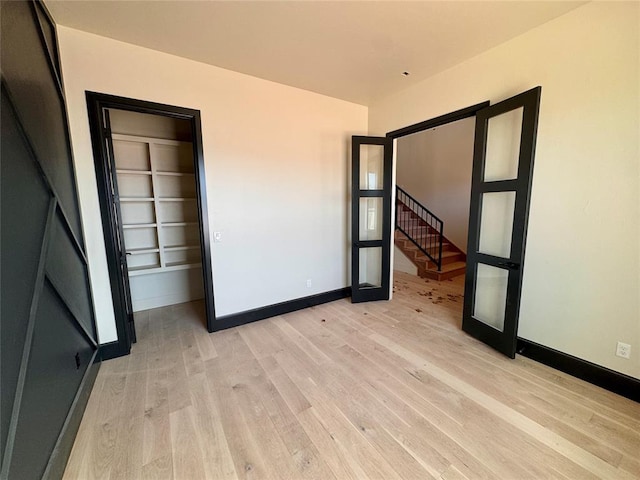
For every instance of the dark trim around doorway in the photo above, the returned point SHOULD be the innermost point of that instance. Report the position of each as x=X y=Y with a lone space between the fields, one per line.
x=439 y=121
x=96 y=102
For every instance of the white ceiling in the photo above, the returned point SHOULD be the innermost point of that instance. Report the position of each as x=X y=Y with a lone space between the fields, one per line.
x=353 y=50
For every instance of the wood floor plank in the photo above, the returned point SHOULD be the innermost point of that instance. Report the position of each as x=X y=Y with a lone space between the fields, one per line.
x=551 y=439
x=290 y=393
x=217 y=459
x=342 y=427
x=245 y=451
x=191 y=353
x=246 y=380
x=521 y=396
x=177 y=384
x=205 y=346
x=407 y=417
x=159 y=469
x=260 y=341
x=355 y=404
x=337 y=456
x=306 y=457
x=78 y=459
x=378 y=390
x=475 y=420
x=301 y=341
x=105 y=428
x=128 y=455
x=187 y=458
x=156 y=430
x=518 y=396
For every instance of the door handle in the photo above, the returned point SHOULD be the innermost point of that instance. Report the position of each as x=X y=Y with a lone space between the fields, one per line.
x=509 y=265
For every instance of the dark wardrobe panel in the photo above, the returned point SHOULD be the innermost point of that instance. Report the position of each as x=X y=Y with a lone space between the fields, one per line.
x=48 y=30
x=66 y=269
x=23 y=227
x=35 y=91
x=51 y=383
x=47 y=324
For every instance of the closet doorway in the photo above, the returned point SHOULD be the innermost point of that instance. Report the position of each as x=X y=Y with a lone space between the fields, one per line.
x=151 y=184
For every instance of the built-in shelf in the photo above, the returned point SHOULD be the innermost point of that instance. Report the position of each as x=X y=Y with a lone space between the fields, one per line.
x=140 y=270
x=183 y=266
x=178 y=224
x=175 y=174
x=140 y=251
x=171 y=267
x=148 y=140
x=157 y=187
x=137 y=199
x=125 y=171
x=179 y=248
x=176 y=199
x=139 y=225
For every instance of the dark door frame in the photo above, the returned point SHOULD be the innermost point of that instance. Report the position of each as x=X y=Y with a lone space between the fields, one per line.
x=438 y=121
x=96 y=103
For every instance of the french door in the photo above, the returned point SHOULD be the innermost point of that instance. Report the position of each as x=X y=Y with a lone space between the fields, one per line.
x=503 y=157
x=370 y=218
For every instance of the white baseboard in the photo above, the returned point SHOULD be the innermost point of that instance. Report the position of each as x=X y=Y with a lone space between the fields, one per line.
x=163 y=301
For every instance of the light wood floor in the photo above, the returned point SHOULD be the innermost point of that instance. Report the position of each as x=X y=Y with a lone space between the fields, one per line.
x=383 y=390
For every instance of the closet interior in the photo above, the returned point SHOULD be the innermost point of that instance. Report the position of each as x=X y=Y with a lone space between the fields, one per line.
x=154 y=172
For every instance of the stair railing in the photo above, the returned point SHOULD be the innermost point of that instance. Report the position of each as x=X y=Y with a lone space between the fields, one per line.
x=420 y=225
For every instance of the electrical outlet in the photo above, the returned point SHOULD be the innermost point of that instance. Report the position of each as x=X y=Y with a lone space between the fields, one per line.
x=623 y=350
x=308 y=283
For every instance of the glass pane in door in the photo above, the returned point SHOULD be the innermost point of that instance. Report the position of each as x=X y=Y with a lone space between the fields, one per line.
x=371 y=167
x=491 y=295
x=503 y=146
x=371 y=218
x=496 y=223
x=370 y=267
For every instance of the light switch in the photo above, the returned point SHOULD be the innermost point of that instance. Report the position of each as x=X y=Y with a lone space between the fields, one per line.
x=217 y=236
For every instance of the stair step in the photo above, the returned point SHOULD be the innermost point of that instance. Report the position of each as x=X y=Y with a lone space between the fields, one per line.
x=418 y=236
x=419 y=230
x=447 y=258
x=449 y=271
x=453 y=263
x=409 y=245
x=411 y=249
x=413 y=219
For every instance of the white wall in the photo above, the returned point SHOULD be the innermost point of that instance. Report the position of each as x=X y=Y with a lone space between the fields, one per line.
x=434 y=167
x=402 y=263
x=168 y=288
x=276 y=162
x=582 y=269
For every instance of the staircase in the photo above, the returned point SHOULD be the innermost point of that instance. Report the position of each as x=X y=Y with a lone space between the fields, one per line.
x=419 y=236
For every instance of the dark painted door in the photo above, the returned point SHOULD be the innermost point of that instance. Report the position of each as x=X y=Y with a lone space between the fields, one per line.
x=503 y=157
x=48 y=332
x=371 y=217
x=116 y=214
